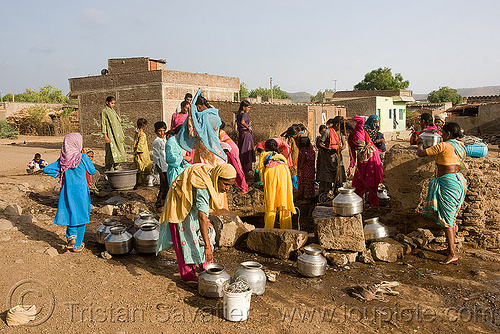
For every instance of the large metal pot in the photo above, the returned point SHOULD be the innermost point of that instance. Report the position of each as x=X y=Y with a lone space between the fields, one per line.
x=146 y=239
x=374 y=229
x=103 y=230
x=144 y=218
x=347 y=203
x=430 y=137
x=213 y=280
x=254 y=274
x=122 y=179
x=311 y=263
x=119 y=241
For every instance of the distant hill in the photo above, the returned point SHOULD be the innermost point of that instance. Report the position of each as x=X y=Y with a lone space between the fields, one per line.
x=300 y=96
x=466 y=92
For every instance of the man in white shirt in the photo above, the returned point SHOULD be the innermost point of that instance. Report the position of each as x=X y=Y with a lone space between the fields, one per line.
x=160 y=163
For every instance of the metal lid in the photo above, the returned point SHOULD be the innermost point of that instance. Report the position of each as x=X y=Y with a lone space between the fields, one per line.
x=312 y=250
x=149 y=226
x=110 y=222
x=371 y=220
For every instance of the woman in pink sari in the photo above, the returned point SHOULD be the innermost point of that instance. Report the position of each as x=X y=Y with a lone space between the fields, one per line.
x=366 y=160
x=179 y=118
x=233 y=158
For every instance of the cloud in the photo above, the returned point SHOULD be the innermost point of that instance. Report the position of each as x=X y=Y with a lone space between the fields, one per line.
x=92 y=18
x=46 y=49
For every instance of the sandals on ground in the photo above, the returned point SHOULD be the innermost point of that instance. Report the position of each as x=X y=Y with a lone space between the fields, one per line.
x=70 y=244
x=79 y=249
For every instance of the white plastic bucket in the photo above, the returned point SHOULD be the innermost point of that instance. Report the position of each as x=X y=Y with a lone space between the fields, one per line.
x=236 y=305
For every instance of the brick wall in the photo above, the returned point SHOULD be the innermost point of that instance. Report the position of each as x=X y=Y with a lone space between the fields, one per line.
x=128 y=65
x=362 y=106
x=365 y=93
x=487 y=120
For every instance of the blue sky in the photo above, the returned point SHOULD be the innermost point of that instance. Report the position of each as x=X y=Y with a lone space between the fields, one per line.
x=303 y=45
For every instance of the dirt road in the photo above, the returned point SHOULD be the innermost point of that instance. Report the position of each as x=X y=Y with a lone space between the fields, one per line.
x=84 y=293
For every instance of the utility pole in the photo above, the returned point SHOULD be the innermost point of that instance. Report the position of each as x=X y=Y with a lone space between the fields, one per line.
x=335 y=89
x=272 y=94
x=1 y=96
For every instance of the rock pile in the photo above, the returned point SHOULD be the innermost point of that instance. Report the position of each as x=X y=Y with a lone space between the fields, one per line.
x=492 y=139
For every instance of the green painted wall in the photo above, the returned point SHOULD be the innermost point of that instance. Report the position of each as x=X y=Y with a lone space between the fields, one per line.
x=387 y=109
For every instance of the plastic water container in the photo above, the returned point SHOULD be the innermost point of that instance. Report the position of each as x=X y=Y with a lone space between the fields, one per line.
x=236 y=305
x=477 y=150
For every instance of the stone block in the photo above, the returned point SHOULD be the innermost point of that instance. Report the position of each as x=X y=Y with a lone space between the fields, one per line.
x=27 y=219
x=5 y=224
x=107 y=210
x=131 y=207
x=337 y=232
x=421 y=236
x=13 y=210
x=387 y=250
x=229 y=228
x=52 y=252
x=276 y=242
x=339 y=258
x=366 y=257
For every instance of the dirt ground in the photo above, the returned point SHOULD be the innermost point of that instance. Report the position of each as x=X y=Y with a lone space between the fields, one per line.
x=84 y=293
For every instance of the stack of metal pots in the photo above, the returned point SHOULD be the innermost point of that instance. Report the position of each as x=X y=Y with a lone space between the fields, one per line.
x=347 y=202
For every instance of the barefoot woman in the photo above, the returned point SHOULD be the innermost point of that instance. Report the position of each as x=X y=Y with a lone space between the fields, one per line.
x=447 y=191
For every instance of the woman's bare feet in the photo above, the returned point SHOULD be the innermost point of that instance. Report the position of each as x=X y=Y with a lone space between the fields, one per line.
x=449 y=259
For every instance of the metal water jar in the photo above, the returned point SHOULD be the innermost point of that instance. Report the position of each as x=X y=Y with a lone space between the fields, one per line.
x=430 y=137
x=213 y=280
x=254 y=274
x=347 y=202
x=145 y=217
x=311 y=263
x=119 y=241
x=374 y=229
x=103 y=230
x=146 y=239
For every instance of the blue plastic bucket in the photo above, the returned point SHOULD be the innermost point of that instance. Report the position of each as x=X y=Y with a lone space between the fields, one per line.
x=477 y=150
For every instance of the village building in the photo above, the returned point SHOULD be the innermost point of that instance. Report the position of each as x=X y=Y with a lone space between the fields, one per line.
x=389 y=105
x=143 y=87
x=477 y=119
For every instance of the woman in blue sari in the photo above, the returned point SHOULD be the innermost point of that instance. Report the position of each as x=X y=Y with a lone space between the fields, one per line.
x=200 y=132
x=447 y=191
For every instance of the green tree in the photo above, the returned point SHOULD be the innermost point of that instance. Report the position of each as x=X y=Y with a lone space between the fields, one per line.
x=243 y=90
x=382 y=79
x=47 y=94
x=318 y=97
x=445 y=94
x=266 y=92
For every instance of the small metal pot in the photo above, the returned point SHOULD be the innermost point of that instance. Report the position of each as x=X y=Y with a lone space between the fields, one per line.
x=144 y=218
x=103 y=230
x=311 y=263
x=430 y=137
x=213 y=280
x=347 y=202
x=119 y=241
x=374 y=230
x=254 y=274
x=146 y=239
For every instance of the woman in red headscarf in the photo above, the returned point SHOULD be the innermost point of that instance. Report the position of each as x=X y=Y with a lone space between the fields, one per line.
x=73 y=208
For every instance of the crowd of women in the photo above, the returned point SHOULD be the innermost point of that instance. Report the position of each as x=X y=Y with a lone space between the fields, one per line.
x=198 y=163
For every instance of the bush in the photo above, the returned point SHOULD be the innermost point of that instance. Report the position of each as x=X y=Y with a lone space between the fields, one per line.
x=7 y=131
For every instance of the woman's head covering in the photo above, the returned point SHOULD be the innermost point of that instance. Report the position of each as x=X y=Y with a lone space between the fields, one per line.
x=202 y=176
x=71 y=153
x=225 y=171
x=207 y=124
x=370 y=122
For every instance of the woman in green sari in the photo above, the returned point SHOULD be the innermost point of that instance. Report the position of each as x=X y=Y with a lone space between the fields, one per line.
x=447 y=191
x=113 y=135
